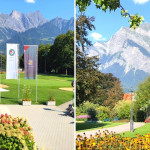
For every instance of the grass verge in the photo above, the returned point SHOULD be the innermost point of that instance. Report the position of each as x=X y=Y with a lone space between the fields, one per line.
x=141 y=130
x=82 y=127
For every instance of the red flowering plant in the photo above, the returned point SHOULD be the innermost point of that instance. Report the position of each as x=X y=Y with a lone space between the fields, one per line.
x=147 y=120
x=15 y=133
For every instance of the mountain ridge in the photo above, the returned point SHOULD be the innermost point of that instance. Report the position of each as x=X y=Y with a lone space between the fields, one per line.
x=119 y=55
x=42 y=31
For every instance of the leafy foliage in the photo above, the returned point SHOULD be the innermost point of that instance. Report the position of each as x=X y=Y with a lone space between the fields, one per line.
x=111 y=5
x=103 y=113
x=122 y=109
x=62 y=52
x=96 y=111
x=15 y=133
x=26 y=92
x=92 y=85
x=58 y=57
x=143 y=94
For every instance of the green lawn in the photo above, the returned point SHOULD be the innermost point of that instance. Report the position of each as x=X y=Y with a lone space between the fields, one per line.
x=81 y=127
x=46 y=84
x=141 y=130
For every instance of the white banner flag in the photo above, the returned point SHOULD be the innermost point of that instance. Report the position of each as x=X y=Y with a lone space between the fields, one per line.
x=12 y=61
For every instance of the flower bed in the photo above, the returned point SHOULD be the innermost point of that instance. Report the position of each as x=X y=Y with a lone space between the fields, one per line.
x=112 y=141
x=15 y=134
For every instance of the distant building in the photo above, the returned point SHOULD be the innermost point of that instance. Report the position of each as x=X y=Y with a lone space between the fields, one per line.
x=127 y=96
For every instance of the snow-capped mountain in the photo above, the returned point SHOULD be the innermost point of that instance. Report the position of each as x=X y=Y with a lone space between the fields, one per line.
x=126 y=55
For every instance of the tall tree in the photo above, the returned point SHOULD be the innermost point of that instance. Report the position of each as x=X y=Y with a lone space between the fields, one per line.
x=143 y=95
x=62 y=52
x=43 y=58
x=92 y=85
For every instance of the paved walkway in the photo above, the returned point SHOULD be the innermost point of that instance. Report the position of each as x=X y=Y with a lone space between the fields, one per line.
x=65 y=105
x=52 y=128
x=116 y=129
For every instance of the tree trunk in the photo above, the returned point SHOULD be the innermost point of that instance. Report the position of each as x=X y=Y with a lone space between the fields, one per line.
x=66 y=71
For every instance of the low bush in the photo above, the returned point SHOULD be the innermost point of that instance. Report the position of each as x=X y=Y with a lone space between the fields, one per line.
x=15 y=134
x=103 y=113
x=122 y=109
x=96 y=111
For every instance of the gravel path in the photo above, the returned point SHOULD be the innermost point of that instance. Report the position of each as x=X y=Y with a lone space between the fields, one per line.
x=116 y=129
x=52 y=128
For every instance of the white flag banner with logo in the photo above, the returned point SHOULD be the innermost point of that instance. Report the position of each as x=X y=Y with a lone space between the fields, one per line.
x=12 y=61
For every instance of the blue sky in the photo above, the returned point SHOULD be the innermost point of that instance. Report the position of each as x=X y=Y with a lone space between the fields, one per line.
x=107 y=24
x=49 y=8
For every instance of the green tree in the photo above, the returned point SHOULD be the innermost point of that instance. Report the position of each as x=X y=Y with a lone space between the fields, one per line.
x=91 y=84
x=62 y=52
x=86 y=67
x=111 y=5
x=114 y=94
x=122 y=109
x=143 y=95
x=103 y=113
x=44 y=65
x=2 y=62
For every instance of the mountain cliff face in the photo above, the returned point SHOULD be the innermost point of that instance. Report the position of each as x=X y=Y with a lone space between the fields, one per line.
x=126 y=55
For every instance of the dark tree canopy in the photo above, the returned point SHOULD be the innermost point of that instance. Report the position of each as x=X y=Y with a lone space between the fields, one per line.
x=91 y=84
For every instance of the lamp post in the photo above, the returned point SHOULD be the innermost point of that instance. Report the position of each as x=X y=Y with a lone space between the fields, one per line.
x=131 y=119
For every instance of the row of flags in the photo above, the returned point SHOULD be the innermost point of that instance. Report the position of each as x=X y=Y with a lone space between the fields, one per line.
x=30 y=61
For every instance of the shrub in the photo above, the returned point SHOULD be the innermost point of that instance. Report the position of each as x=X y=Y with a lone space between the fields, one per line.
x=93 y=113
x=122 y=109
x=15 y=133
x=26 y=93
x=103 y=113
x=147 y=120
x=87 y=108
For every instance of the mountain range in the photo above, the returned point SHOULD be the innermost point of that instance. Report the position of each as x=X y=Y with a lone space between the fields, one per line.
x=126 y=55
x=31 y=28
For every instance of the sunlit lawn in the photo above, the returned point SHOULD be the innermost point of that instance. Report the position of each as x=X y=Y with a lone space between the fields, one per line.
x=46 y=84
x=141 y=130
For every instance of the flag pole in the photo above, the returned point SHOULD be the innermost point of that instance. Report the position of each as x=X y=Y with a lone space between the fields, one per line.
x=18 y=75
x=0 y=76
x=36 y=72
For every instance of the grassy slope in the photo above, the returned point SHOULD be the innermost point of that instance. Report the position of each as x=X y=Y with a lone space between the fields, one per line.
x=46 y=84
x=141 y=130
x=81 y=127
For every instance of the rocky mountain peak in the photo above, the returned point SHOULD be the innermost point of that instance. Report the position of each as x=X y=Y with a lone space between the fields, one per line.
x=126 y=54
x=15 y=14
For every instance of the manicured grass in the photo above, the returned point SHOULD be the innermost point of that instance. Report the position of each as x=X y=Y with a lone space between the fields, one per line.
x=141 y=130
x=46 y=84
x=81 y=127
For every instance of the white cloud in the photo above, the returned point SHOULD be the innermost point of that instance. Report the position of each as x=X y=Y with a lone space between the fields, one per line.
x=97 y=36
x=140 y=1
x=30 y=1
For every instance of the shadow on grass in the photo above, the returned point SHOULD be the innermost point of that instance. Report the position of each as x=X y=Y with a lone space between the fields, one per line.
x=92 y=125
